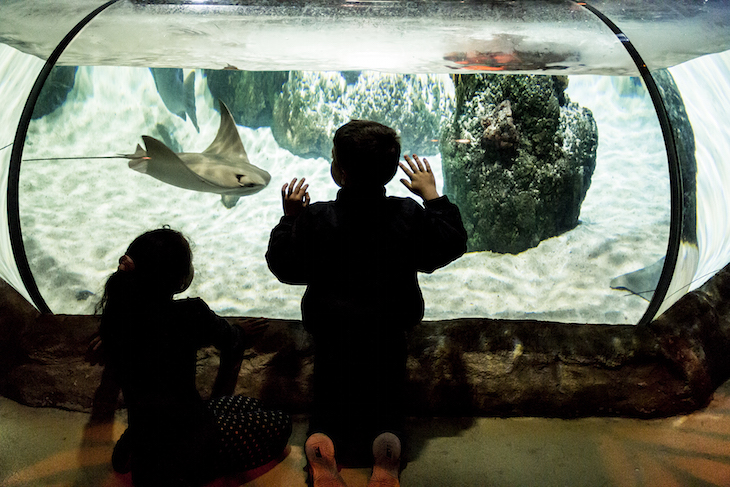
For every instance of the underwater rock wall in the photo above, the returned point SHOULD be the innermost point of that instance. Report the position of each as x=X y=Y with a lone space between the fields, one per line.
x=249 y=95
x=308 y=111
x=55 y=90
x=468 y=367
x=313 y=105
x=305 y=108
x=517 y=159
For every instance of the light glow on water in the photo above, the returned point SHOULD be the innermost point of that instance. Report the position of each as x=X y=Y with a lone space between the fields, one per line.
x=78 y=216
x=705 y=87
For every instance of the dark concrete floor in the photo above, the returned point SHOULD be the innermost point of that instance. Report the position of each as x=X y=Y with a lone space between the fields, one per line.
x=49 y=447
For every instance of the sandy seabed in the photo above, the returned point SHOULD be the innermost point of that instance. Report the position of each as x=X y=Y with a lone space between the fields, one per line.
x=79 y=215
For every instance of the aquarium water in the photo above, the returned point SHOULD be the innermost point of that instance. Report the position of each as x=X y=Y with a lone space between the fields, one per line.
x=78 y=213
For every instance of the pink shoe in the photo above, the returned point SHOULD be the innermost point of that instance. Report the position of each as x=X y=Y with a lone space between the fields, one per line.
x=386 y=465
x=322 y=465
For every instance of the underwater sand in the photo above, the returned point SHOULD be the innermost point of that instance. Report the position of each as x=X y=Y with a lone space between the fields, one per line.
x=78 y=216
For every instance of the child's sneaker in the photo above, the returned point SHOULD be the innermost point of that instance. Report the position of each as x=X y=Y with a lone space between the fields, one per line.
x=386 y=465
x=322 y=465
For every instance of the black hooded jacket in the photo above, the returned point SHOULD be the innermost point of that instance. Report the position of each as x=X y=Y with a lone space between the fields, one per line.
x=359 y=255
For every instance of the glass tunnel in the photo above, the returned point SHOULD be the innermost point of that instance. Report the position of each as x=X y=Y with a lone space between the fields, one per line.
x=586 y=144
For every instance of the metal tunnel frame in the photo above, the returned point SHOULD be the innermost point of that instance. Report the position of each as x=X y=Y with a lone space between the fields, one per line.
x=676 y=185
x=675 y=180
x=16 y=236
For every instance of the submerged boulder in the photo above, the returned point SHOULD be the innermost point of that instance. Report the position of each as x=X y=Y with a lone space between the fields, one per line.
x=55 y=90
x=313 y=105
x=307 y=112
x=414 y=105
x=517 y=158
x=249 y=95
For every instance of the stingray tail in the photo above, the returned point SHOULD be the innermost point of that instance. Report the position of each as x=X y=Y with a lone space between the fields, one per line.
x=189 y=90
x=139 y=153
x=138 y=160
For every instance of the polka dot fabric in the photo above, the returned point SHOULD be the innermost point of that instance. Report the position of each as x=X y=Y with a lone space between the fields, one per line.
x=249 y=434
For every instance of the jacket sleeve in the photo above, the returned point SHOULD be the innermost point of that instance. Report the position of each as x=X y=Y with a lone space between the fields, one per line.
x=443 y=235
x=230 y=340
x=286 y=253
x=217 y=331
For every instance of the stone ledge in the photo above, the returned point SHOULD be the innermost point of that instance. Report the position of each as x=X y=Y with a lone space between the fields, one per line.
x=468 y=367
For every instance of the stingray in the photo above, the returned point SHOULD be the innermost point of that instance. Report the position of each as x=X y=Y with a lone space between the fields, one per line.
x=643 y=282
x=222 y=168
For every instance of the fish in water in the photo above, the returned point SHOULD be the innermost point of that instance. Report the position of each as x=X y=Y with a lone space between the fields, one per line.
x=643 y=282
x=222 y=168
x=177 y=95
x=507 y=52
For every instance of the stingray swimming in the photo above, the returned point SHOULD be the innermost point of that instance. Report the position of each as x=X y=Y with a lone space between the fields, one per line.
x=222 y=168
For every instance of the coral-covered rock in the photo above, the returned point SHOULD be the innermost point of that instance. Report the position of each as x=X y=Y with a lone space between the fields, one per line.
x=499 y=127
x=313 y=105
x=307 y=112
x=55 y=90
x=517 y=158
x=249 y=95
x=415 y=105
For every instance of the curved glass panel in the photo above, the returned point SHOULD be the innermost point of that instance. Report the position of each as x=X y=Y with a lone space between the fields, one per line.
x=670 y=32
x=17 y=74
x=388 y=36
x=703 y=84
x=78 y=214
x=19 y=68
x=209 y=33
x=683 y=241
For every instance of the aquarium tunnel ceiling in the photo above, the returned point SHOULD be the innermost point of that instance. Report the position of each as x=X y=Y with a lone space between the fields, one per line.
x=585 y=143
x=392 y=35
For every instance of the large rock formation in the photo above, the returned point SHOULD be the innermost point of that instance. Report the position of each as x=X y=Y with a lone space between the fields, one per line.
x=313 y=105
x=517 y=158
x=415 y=105
x=458 y=367
x=308 y=111
x=249 y=95
x=55 y=90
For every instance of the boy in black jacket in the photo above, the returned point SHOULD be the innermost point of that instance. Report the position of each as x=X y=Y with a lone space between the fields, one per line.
x=359 y=256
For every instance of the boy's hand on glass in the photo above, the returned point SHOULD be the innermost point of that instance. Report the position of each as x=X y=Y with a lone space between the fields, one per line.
x=295 y=197
x=422 y=182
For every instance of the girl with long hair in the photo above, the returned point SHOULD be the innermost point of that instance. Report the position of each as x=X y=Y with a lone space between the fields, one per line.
x=150 y=342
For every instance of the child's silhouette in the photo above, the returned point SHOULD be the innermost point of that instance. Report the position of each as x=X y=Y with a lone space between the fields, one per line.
x=359 y=256
x=149 y=342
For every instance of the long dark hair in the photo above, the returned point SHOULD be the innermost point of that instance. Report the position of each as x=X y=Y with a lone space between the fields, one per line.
x=156 y=265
